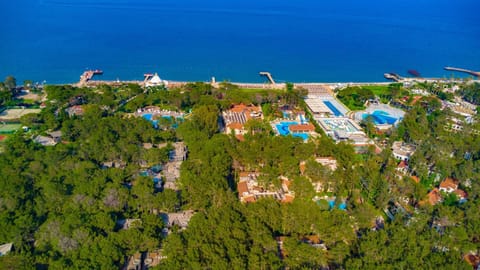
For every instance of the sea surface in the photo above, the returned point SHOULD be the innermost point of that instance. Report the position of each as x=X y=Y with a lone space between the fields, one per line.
x=297 y=41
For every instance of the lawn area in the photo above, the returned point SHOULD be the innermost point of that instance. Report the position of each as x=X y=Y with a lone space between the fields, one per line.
x=378 y=90
x=11 y=114
x=9 y=128
x=259 y=90
x=28 y=101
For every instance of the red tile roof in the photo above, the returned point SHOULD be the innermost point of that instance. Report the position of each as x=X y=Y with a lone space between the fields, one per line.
x=449 y=183
x=472 y=259
x=303 y=166
x=249 y=198
x=235 y=125
x=416 y=179
x=434 y=196
x=286 y=182
x=242 y=187
x=302 y=127
x=313 y=239
x=402 y=164
x=288 y=198
x=461 y=194
x=240 y=137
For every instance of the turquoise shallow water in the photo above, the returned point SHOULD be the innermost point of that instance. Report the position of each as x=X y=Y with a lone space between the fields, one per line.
x=304 y=40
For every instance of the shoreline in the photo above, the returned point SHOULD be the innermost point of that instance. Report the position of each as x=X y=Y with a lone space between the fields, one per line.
x=267 y=85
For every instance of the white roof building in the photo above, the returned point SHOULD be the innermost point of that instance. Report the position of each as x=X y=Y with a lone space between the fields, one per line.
x=403 y=151
x=5 y=248
x=155 y=80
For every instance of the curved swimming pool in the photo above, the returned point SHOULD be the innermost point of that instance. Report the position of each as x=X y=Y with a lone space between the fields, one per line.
x=381 y=117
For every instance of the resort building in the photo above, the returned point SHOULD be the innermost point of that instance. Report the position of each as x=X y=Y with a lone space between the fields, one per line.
x=294 y=128
x=344 y=129
x=448 y=185
x=236 y=117
x=325 y=106
x=434 y=197
x=45 y=140
x=134 y=262
x=143 y=260
x=180 y=219
x=51 y=139
x=328 y=162
x=457 y=125
x=125 y=224
x=152 y=80
x=403 y=151
x=317 y=107
x=318 y=90
x=76 y=110
x=402 y=167
x=171 y=170
x=5 y=248
x=461 y=195
x=301 y=128
x=249 y=190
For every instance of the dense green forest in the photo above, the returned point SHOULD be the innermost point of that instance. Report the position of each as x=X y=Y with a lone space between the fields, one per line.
x=59 y=205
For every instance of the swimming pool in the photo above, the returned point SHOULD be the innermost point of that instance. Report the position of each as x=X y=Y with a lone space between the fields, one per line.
x=148 y=117
x=381 y=117
x=341 y=206
x=332 y=107
x=282 y=127
x=283 y=130
x=304 y=136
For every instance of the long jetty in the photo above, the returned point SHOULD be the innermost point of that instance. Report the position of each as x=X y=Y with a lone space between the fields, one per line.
x=471 y=72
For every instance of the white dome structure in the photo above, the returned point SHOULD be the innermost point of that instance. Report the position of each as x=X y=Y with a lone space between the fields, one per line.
x=155 y=80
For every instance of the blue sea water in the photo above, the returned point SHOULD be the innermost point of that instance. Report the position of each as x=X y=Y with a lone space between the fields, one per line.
x=303 y=40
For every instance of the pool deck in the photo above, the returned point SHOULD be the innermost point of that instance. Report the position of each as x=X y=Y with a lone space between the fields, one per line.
x=157 y=111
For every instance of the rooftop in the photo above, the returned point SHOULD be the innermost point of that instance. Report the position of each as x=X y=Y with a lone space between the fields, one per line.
x=434 y=196
x=449 y=183
x=249 y=190
x=239 y=114
x=5 y=248
x=403 y=149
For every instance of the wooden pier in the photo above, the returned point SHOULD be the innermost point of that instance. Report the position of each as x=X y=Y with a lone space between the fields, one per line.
x=268 y=75
x=88 y=75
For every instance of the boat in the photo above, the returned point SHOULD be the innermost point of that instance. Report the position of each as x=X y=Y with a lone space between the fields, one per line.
x=414 y=73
